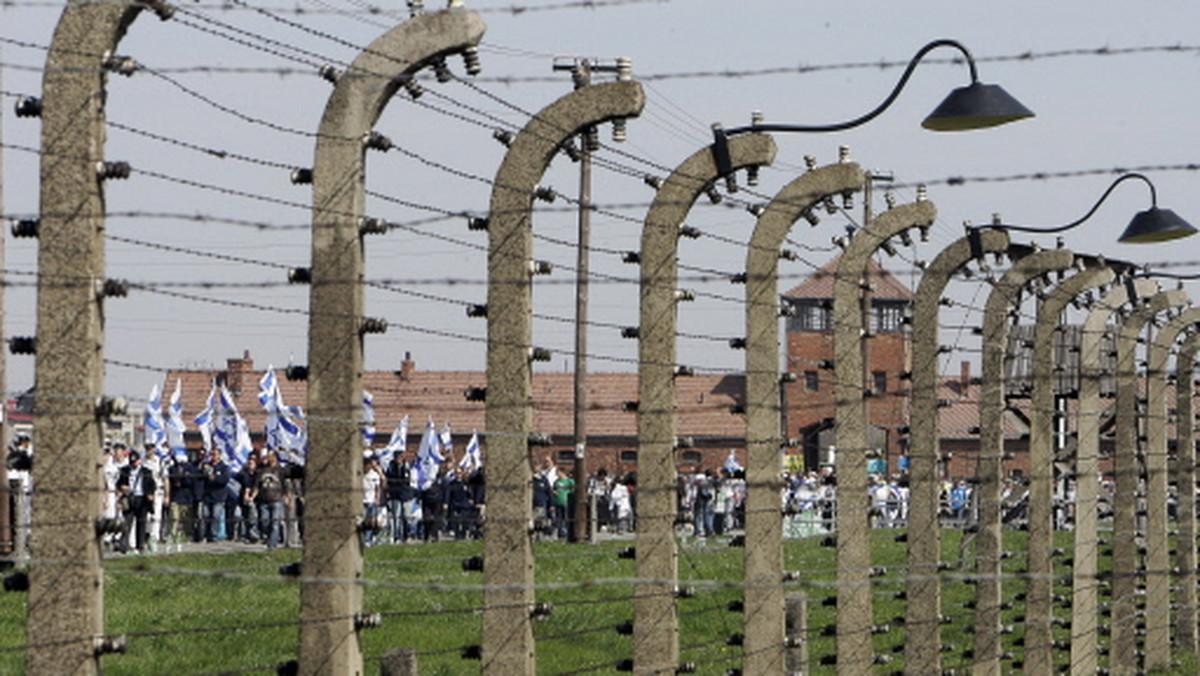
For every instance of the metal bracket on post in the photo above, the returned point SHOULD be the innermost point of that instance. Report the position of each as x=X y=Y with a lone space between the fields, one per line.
x=720 y=151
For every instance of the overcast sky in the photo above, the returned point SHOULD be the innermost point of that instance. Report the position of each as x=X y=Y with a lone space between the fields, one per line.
x=219 y=234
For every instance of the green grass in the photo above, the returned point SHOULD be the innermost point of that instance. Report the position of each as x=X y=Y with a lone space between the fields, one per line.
x=208 y=613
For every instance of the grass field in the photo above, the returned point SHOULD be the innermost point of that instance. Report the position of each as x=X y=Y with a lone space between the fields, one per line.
x=234 y=613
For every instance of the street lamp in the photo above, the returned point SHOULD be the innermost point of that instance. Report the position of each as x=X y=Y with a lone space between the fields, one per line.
x=974 y=106
x=1151 y=225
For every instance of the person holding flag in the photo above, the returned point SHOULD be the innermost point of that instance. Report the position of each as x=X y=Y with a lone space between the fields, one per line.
x=404 y=507
x=428 y=475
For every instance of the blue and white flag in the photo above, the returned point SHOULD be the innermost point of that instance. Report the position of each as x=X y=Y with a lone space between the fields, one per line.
x=472 y=459
x=175 y=425
x=228 y=431
x=154 y=431
x=368 y=419
x=447 y=439
x=731 y=462
x=429 y=458
x=397 y=444
x=281 y=431
x=243 y=447
x=206 y=421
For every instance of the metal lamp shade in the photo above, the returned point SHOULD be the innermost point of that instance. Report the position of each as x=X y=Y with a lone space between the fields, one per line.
x=975 y=106
x=1156 y=225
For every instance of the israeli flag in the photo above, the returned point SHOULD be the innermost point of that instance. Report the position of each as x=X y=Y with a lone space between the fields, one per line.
x=175 y=425
x=242 y=447
x=429 y=458
x=281 y=431
x=368 y=423
x=228 y=430
x=447 y=438
x=397 y=444
x=731 y=462
x=206 y=421
x=154 y=431
x=472 y=459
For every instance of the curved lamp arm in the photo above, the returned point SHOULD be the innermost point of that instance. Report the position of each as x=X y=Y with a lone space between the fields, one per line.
x=1091 y=212
x=887 y=102
x=1151 y=225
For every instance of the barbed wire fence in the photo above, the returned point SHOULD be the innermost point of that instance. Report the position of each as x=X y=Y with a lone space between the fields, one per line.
x=410 y=596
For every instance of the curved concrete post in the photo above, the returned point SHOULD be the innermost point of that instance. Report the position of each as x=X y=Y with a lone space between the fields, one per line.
x=1004 y=296
x=1039 y=603
x=854 y=616
x=331 y=594
x=655 y=619
x=922 y=625
x=1125 y=567
x=764 y=610
x=508 y=648
x=1085 y=584
x=1186 y=629
x=1158 y=558
x=66 y=586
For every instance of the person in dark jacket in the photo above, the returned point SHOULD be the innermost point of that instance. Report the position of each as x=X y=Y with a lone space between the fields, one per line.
x=460 y=504
x=135 y=490
x=214 y=484
x=403 y=507
x=182 y=494
x=543 y=498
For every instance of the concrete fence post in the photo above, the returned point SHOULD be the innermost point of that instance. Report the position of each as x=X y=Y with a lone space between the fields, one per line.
x=66 y=592
x=764 y=645
x=331 y=591
x=656 y=621
x=1004 y=296
x=855 y=652
x=922 y=625
x=508 y=647
x=1039 y=605
x=1128 y=452
x=1085 y=583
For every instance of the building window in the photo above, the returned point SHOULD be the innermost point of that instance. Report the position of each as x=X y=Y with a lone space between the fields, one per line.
x=628 y=456
x=566 y=457
x=888 y=315
x=879 y=381
x=692 y=457
x=810 y=314
x=812 y=381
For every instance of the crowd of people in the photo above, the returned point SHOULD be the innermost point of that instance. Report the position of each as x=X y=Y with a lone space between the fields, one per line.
x=154 y=501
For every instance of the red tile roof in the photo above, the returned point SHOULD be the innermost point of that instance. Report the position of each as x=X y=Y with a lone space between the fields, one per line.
x=703 y=400
x=820 y=283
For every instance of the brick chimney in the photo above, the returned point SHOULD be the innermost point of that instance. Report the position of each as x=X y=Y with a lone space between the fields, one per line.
x=235 y=369
x=407 y=367
x=964 y=378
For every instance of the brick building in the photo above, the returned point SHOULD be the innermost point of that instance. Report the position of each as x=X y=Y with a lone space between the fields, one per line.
x=706 y=404
x=808 y=400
